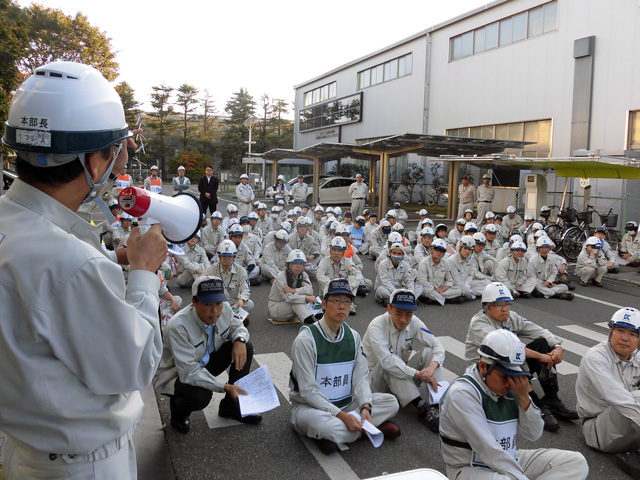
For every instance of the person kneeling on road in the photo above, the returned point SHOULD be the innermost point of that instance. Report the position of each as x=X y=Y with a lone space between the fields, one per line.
x=404 y=356
x=545 y=270
x=543 y=351
x=330 y=379
x=486 y=410
x=592 y=264
x=291 y=291
x=201 y=341
x=608 y=392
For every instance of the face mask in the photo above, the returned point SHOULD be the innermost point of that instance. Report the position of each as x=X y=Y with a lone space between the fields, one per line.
x=386 y=230
x=397 y=258
x=246 y=228
x=274 y=215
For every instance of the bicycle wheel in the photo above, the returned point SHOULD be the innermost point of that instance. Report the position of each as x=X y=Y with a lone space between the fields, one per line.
x=613 y=238
x=572 y=243
x=554 y=232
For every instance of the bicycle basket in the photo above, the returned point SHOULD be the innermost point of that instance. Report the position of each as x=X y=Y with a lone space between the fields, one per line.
x=568 y=216
x=610 y=220
x=586 y=217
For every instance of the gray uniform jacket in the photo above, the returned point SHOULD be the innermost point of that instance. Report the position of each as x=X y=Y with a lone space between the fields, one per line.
x=431 y=274
x=492 y=247
x=299 y=192
x=586 y=261
x=244 y=257
x=211 y=237
x=236 y=283
x=485 y=194
x=359 y=191
x=194 y=258
x=307 y=244
x=265 y=226
x=244 y=193
x=276 y=294
x=512 y=223
x=481 y=324
x=181 y=184
x=512 y=273
x=543 y=270
x=275 y=257
x=394 y=277
x=185 y=343
x=328 y=270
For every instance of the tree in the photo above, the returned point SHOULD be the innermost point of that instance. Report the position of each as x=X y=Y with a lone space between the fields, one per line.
x=438 y=188
x=413 y=175
x=266 y=107
x=208 y=114
x=350 y=170
x=160 y=121
x=187 y=100
x=240 y=107
x=279 y=108
x=193 y=161
x=56 y=36
x=131 y=106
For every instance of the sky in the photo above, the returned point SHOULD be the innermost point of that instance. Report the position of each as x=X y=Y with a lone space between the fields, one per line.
x=263 y=46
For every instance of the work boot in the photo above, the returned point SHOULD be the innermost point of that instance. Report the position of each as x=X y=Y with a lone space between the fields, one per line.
x=309 y=320
x=629 y=463
x=550 y=422
x=390 y=430
x=525 y=295
x=535 y=293
x=230 y=408
x=327 y=446
x=596 y=283
x=180 y=424
x=430 y=416
x=427 y=301
x=559 y=409
x=564 y=296
x=614 y=270
x=583 y=284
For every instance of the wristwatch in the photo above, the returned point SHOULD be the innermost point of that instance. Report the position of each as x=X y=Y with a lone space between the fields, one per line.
x=240 y=339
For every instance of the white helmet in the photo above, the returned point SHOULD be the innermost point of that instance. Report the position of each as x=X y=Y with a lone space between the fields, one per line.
x=262 y=206
x=338 y=242
x=319 y=209
x=281 y=177
x=337 y=211
x=461 y=221
x=334 y=225
x=280 y=203
x=496 y=292
x=528 y=217
x=396 y=245
x=511 y=209
x=470 y=226
x=593 y=242
x=286 y=226
x=253 y=216
x=275 y=209
x=467 y=241
x=235 y=229
x=227 y=248
x=518 y=245
x=398 y=227
x=439 y=244
x=384 y=223
x=626 y=318
x=539 y=233
x=296 y=256
x=480 y=238
x=391 y=214
x=180 y=168
x=469 y=210
x=490 y=228
x=234 y=221
x=537 y=226
x=545 y=209
x=426 y=221
x=423 y=212
x=489 y=215
x=244 y=175
x=544 y=241
x=631 y=226
x=301 y=222
x=427 y=232
x=231 y=208
x=329 y=210
x=125 y=216
x=291 y=213
x=282 y=236
x=505 y=349
x=343 y=230
x=394 y=237
x=153 y=167
x=217 y=215
x=113 y=203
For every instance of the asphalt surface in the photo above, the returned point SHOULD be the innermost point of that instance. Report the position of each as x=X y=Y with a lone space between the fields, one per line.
x=273 y=450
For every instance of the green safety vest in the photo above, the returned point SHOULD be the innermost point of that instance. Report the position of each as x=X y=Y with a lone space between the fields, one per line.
x=335 y=362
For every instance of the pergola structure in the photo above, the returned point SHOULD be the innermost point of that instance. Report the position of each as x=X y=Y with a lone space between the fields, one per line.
x=388 y=147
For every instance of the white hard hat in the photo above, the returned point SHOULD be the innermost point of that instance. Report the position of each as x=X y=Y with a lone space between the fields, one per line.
x=396 y=245
x=231 y=208
x=427 y=232
x=384 y=223
x=518 y=245
x=528 y=217
x=244 y=175
x=539 y=233
x=490 y=228
x=233 y=221
x=275 y=209
x=461 y=221
x=125 y=216
x=235 y=229
x=394 y=237
x=301 y=222
x=489 y=215
x=470 y=226
x=154 y=167
x=253 y=216
x=545 y=209
x=391 y=214
x=496 y=292
x=180 y=168
x=593 y=242
x=296 y=256
x=627 y=317
x=543 y=241
x=262 y=206
x=281 y=177
x=505 y=349
x=480 y=238
x=423 y=212
x=227 y=248
x=337 y=211
x=439 y=244
x=631 y=226
x=334 y=225
x=216 y=214
x=511 y=209
x=319 y=209
x=338 y=242
x=282 y=236
x=467 y=241
x=426 y=221
x=398 y=227
x=281 y=202
x=469 y=210
x=329 y=210
x=343 y=230
x=287 y=226
x=113 y=203
x=537 y=226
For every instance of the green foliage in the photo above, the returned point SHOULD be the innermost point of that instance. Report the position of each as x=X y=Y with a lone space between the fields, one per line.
x=194 y=163
x=240 y=107
x=187 y=101
x=350 y=170
x=438 y=187
x=413 y=175
x=55 y=36
x=209 y=122
x=161 y=122
x=131 y=106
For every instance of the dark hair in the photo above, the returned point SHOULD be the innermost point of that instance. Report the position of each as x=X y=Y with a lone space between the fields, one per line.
x=208 y=166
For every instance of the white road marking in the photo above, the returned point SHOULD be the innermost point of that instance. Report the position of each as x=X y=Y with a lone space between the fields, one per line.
x=573 y=347
x=603 y=325
x=279 y=365
x=584 y=332
x=598 y=301
x=211 y=412
x=334 y=465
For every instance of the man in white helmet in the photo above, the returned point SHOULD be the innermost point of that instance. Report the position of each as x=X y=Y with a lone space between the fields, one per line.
x=435 y=277
x=393 y=273
x=630 y=245
x=378 y=238
x=300 y=190
x=514 y=273
x=488 y=410
x=359 y=193
x=213 y=234
x=245 y=196
x=336 y=265
x=544 y=269
x=234 y=277
x=511 y=221
x=70 y=398
x=302 y=240
x=153 y=182
x=592 y=264
x=274 y=255
x=543 y=349
x=456 y=233
x=465 y=275
x=485 y=194
x=193 y=263
x=608 y=392
x=291 y=291
x=181 y=183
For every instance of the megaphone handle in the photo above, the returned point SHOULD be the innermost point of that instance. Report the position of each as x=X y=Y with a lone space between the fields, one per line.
x=144 y=224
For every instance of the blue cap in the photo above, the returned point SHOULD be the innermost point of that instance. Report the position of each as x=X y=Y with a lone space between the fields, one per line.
x=208 y=289
x=337 y=287
x=404 y=300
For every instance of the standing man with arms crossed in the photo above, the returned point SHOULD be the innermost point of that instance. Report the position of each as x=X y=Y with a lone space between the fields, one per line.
x=359 y=193
x=485 y=198
x=300 y=190
x=208 y=188
x=181 y=183
x=76 y=344
x=245 y=195
x=466 y=196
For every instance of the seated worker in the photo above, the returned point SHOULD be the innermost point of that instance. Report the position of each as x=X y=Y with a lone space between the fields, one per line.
x=435 y=277
x=404 y=356
x=330 y=349
x=122 y=233
x=514 y=273
x=200 y=342
x=487 y=410
x=291 y=291
x=264 y=224
x=193 y=263
x=543 y=350
x=607 y=392
x=212 y=234
x=378 y=238
x=359 y=237
x=465 y=276
x=249 y=239
x=234 y=277
x=274 y=255
x=503 y=231
x=457 y=233
x=493 y=244
x=592 y=264
x=607 y=251
x=394 y=237
x=394 y=273
x=423 y=247
x=371 y=225
x=468 y=215
x=337 y=266
x=630 y=246
x=107 y=229
x=441 y=232
x=545 y=270
x=401 y=214
x=483 y=262
x=232 y=212
x=512 y=220
x=303 y=241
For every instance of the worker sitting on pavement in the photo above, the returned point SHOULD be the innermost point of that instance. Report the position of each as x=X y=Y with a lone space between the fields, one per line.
x=291 y=291
x=592 y=264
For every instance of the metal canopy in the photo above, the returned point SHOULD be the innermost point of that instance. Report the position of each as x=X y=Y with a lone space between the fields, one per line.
x=588 y=168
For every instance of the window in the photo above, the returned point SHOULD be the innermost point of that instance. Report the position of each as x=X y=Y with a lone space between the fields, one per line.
x=634 y=130
x=397 y=166
x=334 y=112
x=320 y=94
x=385 y=72
x=537 y=131
x=527 y=24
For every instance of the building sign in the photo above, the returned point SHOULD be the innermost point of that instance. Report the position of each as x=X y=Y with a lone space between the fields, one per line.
x=334 y=112
x=323 y=134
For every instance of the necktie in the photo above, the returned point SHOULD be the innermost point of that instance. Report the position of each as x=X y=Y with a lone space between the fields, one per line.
x=211 y=346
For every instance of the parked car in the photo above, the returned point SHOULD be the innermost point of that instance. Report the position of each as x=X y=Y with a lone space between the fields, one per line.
x=332 y=190
x=308 y=179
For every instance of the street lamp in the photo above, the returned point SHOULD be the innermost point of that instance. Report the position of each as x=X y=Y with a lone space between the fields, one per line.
x=249 y=123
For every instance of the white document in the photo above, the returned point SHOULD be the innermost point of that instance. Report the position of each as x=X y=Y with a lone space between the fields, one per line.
x=435 y=397
x=241 y=313
x=375 y=435
x=262 y=394
x=315 y=307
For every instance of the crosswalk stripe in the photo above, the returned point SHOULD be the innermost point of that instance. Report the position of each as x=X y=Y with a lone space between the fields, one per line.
x=211 y=411
x=584 y=332
x=279 y=365
x=603 y=325
x=598 y=301
x=573 y=347
x=333 y=465
x=448 y=375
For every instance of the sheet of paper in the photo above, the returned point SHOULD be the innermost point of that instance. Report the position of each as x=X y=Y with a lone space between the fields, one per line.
x=262 y=394
x=434 y=397
x=315 y=307
x=375 y=436
x=241 y=313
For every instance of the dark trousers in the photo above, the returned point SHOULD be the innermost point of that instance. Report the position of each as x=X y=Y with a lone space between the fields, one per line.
x=188 y=398
x=548 y=378
x=208 y=203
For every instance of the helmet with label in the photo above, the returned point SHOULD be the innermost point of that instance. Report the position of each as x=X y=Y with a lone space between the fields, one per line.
x=423 y=212
x=627 y=317
x=467 y=242
x=439 y=244
x=490 y=228
x=461 y=221
x=528 y=217
x=394 y=237
x=594 y=242
x=427 y=232
x=296 y=256
x=470 y=227
x=489 y=215
x=337 y=211
x=391 y=214
x=339 y=243
x=631 y=226
x=343 y=230
x=398 y=227
x=227 y=248
x=231 y=208
x=544 y=241
x=504 y=350
x=281 y=236
x=511 y=209
x=235 y=229
x=518 y=245
x=496 y=292
x=536 y=226
x=480 y=238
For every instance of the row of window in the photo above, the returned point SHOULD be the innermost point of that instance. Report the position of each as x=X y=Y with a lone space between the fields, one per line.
x=335 y=112
x=385 y=72
x=528 y=24
x=634 y=130
x=320 y=94
x=538 y=132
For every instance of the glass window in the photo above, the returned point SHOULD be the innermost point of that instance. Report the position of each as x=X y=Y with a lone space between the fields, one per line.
x=379 y=74
x=316 y=95
x=408 y=64
x=402 y=62
x=506 y=31
x=391 y=70
x=467 y=44
x=502 y=132
x=550 y=17
x=516 y=131
x=535 y=22
x=491 y=36
x=308 y=98
x=531 y=132
x=634 y=131
x=478 y=41
x=544 y=132
x=520 y=27
x=333 y=90
x=475 y=132
x=364 y=79
x=324 y=93
x=456 y=48
x=487 y=131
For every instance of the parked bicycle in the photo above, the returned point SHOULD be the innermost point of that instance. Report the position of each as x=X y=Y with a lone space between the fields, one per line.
x=557 y=229
x=574 y=237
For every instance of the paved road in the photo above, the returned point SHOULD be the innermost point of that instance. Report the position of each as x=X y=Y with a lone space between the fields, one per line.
x=216 y=448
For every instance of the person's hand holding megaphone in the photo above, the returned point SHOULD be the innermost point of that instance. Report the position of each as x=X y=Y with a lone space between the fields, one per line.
x=148 y=251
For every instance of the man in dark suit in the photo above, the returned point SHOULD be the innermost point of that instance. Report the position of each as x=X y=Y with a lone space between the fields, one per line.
x=208 y=188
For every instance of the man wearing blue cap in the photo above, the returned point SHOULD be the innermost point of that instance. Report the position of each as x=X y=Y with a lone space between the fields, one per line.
x=201 y=341
x=330 y=379
x=404 y=356
x=488 y=409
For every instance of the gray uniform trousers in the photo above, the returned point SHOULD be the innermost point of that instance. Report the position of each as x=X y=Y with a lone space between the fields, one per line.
x=611 y=431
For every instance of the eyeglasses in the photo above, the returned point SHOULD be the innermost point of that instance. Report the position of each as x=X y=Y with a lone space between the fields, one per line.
x=502 y=306
x=337 y=301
